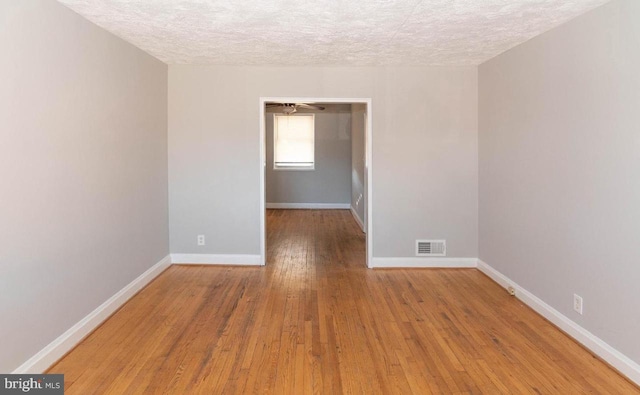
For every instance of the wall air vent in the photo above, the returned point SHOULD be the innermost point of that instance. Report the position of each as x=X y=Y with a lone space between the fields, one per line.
x=431 y=247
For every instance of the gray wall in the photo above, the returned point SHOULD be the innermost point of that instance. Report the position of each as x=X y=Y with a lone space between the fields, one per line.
x=560 y=169
x=330 y=181
x=83 y=164
x=424 y=152
x=358 y=121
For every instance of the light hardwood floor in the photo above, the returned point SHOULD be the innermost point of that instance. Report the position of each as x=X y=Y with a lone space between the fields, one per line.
x=315 y=320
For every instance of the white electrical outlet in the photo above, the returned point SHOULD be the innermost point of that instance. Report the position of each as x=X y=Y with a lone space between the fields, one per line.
x=577 y=303
x=200 y=240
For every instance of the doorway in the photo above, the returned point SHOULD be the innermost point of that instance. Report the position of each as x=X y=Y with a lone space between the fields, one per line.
x=365 y=111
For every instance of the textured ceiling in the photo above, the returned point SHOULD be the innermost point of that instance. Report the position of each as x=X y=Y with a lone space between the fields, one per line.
x=329 y=32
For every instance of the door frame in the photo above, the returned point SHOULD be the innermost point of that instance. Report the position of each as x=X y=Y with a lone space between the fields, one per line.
x=367 y=166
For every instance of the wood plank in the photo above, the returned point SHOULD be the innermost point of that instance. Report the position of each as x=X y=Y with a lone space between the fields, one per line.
x=316 y=320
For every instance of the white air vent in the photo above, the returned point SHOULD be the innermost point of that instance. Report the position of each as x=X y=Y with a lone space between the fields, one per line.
x=431 y=247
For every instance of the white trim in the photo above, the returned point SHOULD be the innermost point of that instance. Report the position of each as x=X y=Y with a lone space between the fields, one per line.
x=216 y=259
x=368 y=165
x=55 y=350
x=615 y=358
x=263 y=190
x=417 y=262
x=358 y=219
x=294 y=168
x=315 y=206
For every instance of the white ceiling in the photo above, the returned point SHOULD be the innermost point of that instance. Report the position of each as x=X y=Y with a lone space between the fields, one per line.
x=329 y=32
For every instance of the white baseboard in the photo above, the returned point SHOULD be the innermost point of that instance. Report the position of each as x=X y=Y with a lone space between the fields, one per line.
x=417 y=262
x=55 y=350
x=358 y=219
x=615 y=358
x=215 y=259
x=314 y=206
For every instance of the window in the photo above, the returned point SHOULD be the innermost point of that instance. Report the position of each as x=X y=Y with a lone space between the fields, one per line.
x=293 y=142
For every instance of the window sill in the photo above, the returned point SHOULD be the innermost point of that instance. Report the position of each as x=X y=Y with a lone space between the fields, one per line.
x=294 y=168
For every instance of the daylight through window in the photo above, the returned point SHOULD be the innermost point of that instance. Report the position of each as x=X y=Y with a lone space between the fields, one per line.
x=293 y=137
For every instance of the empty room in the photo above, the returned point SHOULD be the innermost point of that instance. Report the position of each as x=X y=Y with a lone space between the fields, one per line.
x=380 y=197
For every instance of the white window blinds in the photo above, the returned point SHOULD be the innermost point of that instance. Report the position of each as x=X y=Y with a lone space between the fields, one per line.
x=293 y=141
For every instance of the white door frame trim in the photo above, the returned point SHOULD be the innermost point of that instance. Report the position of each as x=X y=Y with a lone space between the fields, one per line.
x=368 y=166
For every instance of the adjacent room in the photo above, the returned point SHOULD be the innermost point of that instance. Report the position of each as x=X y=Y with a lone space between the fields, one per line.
x=391 y=197
x=315 y=160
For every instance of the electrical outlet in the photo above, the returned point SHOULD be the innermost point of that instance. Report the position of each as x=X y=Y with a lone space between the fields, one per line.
x=577 y=303
x=201 y=240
